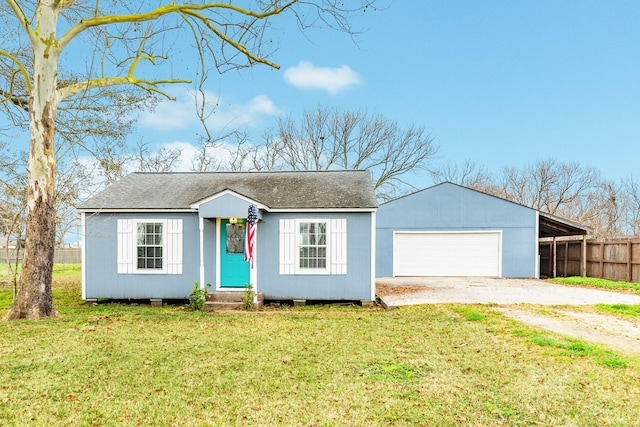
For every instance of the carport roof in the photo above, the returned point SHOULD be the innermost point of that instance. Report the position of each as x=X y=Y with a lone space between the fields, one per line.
x=554 y=226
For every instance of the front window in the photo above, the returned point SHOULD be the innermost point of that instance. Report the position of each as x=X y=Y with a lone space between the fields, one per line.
x=149 y=246
x=313 y=245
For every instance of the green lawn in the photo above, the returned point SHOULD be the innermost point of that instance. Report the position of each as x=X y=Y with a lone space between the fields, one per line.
x=595 y=282
x=133 y=365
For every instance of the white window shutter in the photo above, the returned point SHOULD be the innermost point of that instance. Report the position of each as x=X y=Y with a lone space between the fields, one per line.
x=287 y=246
x=338 y=249
x=126 y=256
x=174 y=246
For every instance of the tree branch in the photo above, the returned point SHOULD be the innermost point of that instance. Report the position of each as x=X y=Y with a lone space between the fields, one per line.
x=19 y=102
x=159 y=12
x=22 y=18
x=149 y=85
x=240 y=47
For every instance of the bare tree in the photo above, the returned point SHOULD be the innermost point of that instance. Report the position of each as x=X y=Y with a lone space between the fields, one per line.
x=13 y=201
x=234 y=144
x=603 y=208
x=127 y=38
x=547 y=185
x=72 y=184
x=631 y=189
x=332 y=139
x=470 y=174
x=163 y=159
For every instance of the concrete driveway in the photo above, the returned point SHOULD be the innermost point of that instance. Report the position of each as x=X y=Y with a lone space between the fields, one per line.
x=492 y=290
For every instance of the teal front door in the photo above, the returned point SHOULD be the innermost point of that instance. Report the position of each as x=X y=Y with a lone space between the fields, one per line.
x=234 y=270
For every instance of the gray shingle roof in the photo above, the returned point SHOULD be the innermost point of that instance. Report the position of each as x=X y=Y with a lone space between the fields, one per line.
x=276 y=190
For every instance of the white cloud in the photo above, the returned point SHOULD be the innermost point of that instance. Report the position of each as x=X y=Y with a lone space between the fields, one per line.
x=220 y=114
x=333 y=80
x=169 y=115
x=249 y=114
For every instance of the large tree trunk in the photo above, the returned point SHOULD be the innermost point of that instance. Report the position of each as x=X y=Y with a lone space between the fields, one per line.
x=35 y=298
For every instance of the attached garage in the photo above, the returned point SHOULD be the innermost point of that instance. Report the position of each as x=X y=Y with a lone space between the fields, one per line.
x=430 y=253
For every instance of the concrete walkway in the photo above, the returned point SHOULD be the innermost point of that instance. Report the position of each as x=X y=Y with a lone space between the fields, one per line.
x=492 y=290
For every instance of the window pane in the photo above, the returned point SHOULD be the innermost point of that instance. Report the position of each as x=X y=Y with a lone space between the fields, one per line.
x=313 y=245
x=235 y=238
x=140 y=234
x=149 y=245
x=322 y=239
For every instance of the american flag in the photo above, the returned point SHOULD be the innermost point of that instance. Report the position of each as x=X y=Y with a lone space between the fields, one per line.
x=250 y=235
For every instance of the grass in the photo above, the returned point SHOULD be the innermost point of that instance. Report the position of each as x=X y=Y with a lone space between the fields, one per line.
x=626 y=310
x=572 y=347
x=595 y=282
x=445 y=365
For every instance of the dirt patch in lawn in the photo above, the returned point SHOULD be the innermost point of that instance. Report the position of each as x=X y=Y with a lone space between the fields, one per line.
x=386 y=290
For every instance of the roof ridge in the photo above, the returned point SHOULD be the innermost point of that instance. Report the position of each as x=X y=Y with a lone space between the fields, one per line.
x=244 y=172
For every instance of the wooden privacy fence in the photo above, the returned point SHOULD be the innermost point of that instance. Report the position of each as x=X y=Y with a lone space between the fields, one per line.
x=60 y=255
x=617 y=259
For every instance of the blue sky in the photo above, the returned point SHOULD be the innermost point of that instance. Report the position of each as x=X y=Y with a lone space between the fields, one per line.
x=499 y=82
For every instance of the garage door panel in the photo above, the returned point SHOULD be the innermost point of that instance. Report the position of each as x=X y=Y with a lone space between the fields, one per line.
x=447 y=254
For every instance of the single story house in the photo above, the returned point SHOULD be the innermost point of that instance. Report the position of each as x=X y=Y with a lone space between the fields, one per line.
x=451 y=230
x=152 y=235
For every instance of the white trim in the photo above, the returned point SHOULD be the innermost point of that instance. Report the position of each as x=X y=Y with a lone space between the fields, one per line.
x=83 y=254
x=287 y=245
x=537 y=246
x=201 y=227
x=328 y=237
x=218 y=250
x=197 y=204
x=321 y=210
x=136 y=223
x=373 y=256
x=174 y=246
x=125 y=245
x=253 y=272
x=262 y=207
x=337 y=240
x=499 y=232
x=98 y=211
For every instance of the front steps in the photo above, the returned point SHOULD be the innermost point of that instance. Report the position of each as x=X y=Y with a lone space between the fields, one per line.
x=226 y=300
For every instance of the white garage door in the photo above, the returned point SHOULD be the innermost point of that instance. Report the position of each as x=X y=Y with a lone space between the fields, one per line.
x=447 y=253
